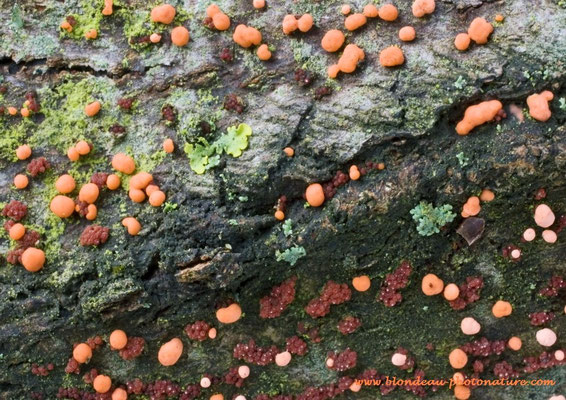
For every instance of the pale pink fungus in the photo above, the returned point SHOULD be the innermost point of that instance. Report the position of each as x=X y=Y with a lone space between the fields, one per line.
x=240 y=397
x=212 y=333
x=515 y=254
x=243 y=371
x=470 y=326
x=557 y=397
x=544 y=217
x=529 y=234
x=329 y=362
x=283 y=359
x=398 y=359
x=546 y=337
x=559 y=355
x=549 y=236
x=205 y=382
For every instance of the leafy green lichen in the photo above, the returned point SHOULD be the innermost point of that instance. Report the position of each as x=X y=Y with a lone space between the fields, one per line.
x=204 y=155
x=291 y=255
x=430 y=219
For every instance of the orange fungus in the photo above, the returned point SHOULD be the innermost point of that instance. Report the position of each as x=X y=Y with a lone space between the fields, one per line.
x=230 y=314
x=17 y=231
x=332 y=40
x=305 y=23
x=119 y=394
x=21 y=181
x=480 y=30
x=263 y=52
x=65 y=184
x=164 y=13
x=132 y=224
x=355 y=21
x=477 y=115
x=407 y=34
x=315 y=194
x=502 y=309
x=62 y=206
x=23 y=152
x=391 y=56
x=89 y=193
x=123 y=163
x=421 y=8
x=246 y=36
x=371 y=11
x=170 y=352
x=290 y=24
x=361 y=283
x=33 y=259
x=168 y=146
x=221 y=21
x=462 y=41
x=458 y=359
x=113 y=182
x=102 y=383
x=388 y=12
x=432 y=285
x=180 y=36
x=92 y=109
x=82 y=353
x=118 y=339
x=538 y=105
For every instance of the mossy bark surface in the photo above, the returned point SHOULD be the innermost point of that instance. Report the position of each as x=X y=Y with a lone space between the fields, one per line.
x=216 y=239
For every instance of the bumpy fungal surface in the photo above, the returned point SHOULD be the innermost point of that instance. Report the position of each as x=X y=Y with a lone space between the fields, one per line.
x=168 y=156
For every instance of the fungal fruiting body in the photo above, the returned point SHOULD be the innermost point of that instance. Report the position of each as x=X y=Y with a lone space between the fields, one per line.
x=370 y=11
x=180 y=36
x=33 y=259
x=538 y=105
x=361 y=283
x=263 y=52
x=458 y=359
x=501 y=309
x=246 y=36
x=432 y=285
x=230 y=314
x=391 y=56
x=23 y=152
x=291 y=23
x=220 y=20
x=82 y=353
x=62 y=206
x=123 y=163
x=480 y=30
x=421 y=8
x=332 y=40
x=315 y=195
x=93 y=108
x=170 y=352
x=544 y=217
x=164 y=14
x=407 y=34
x=132 y=225
x=462 y=41
x=107 y=10
x=355 y=21
x=348 y=62
x=102 y=383
x=388 y=12
x=477 y=115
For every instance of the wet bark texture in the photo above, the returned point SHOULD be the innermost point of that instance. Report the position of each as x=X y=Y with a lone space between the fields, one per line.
x=217 y=238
